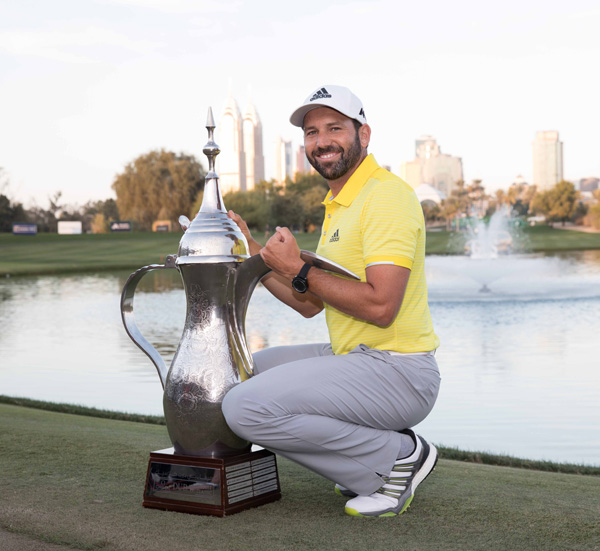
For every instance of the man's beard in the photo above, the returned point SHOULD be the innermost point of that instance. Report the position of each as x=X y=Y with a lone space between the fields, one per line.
x=348 y=159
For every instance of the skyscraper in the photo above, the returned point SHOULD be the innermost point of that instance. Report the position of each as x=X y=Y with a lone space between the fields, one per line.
x=302 y=164
x=253 y=148
x=231 y=160
x=241 y=161
x=283 y=160
x=547 y=159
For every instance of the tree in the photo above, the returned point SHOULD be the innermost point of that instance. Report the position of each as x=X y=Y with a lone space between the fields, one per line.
x=458 y=203
x=450 y=210
x=305 y=181
x=557 y=204
x=10 y=211
x=286 y=210
x=519 y=197
x=431 y=211
x=47 y=219
x=158 y=185
x=97 y=215
x=252 y=206
x=309 y=190
x=312 y=207
x=592 y=217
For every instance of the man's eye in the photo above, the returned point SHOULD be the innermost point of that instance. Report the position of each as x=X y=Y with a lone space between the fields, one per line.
x=309 y=133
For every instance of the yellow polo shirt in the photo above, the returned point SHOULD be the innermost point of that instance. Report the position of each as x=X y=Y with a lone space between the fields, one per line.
x=377 y=218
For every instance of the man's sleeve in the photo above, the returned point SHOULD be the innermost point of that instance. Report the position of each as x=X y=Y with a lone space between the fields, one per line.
x=391 y=223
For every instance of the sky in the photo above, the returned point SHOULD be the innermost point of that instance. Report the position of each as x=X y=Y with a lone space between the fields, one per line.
x=86 y=86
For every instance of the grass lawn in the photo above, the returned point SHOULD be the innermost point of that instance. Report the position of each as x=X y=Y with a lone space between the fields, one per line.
x=77 y=482
x=52 y=253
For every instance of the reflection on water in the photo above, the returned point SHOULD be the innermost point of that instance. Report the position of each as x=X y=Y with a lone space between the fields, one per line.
x=519 y=364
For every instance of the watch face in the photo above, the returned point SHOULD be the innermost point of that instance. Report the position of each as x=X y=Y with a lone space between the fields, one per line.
x=299 y=284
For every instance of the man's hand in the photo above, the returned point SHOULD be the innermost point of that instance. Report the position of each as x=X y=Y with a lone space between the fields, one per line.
x=253 y=245
x=282 y=254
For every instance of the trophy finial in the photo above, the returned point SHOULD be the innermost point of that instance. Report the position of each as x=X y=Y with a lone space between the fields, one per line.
x=211 y=149
x=210 y=121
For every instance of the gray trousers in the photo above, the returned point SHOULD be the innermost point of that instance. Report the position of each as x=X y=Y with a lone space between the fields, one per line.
x=336 y=415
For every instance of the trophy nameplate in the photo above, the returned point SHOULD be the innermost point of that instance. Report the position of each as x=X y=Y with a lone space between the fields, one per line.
x=216 y=486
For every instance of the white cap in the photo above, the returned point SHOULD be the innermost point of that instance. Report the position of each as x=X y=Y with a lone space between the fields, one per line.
x=336 y=97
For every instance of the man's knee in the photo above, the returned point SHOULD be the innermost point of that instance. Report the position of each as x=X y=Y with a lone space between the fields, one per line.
x=240 y=412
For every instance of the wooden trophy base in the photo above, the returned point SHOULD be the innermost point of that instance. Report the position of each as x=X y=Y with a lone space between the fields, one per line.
x=210 y=485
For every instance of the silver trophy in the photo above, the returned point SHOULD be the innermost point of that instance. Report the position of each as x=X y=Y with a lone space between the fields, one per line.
x=219 y=277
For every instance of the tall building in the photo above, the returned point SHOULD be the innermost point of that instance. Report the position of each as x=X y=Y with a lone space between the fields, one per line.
x=302 y=164
x=283 y=160
x=426 y=147
x=253 y=148
x=432 y=167
x=547 y=160
x=241 y=163
x=232 y=161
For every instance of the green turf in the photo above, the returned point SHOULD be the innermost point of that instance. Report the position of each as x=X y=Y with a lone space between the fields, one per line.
x=445 y=452
x=545 y=238
x=52 y=253
x=77 y=481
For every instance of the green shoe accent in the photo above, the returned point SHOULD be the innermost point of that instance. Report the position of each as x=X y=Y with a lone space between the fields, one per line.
x=338 y=491
x=355 y=513
x=407 y=504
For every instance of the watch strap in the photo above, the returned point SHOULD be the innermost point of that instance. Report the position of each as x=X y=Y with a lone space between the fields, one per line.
x=304 y=270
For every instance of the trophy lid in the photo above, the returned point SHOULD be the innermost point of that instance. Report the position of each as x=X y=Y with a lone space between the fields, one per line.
x=212 y=236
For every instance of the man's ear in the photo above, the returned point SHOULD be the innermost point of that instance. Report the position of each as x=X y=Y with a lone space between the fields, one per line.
x=364 y=134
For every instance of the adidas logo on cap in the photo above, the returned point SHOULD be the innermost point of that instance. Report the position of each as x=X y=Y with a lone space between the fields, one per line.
x=320 y=94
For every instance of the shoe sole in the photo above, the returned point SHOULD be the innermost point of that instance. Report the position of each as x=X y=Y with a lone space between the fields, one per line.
x=419 y=477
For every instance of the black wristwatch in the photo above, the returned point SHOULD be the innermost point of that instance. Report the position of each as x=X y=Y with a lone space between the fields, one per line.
x=300 y=283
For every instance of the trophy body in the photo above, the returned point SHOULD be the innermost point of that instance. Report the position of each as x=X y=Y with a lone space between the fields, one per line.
x=209 y=361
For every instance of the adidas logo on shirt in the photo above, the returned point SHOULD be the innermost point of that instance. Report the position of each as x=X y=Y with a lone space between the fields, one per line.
x=320 y=94
x=335 y=237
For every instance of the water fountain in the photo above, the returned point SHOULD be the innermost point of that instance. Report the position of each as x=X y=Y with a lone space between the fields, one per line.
x=487 y=242
x=495 y=267
x=492 y=239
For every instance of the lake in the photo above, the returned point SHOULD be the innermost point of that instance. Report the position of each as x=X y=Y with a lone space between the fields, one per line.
x=520 y=352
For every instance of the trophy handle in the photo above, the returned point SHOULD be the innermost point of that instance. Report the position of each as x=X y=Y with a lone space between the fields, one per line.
x=129 y=319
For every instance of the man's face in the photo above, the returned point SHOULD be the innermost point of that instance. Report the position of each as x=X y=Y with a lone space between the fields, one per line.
x=331 y=142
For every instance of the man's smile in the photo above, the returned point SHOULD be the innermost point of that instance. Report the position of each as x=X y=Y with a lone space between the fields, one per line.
x=328 y=156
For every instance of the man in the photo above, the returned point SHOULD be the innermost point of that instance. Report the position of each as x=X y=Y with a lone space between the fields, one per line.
x=345 y=409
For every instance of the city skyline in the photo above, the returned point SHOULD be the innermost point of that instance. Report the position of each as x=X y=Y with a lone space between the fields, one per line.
x=85 y=90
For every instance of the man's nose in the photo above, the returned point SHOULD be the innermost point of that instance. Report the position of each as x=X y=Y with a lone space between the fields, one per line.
x=323 y=139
